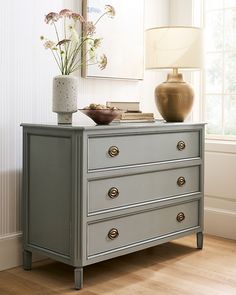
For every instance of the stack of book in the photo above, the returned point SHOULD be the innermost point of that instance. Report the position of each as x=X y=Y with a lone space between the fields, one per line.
x=131 y=112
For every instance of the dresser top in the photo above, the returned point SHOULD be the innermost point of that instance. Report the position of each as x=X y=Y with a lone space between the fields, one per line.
x=113 y=126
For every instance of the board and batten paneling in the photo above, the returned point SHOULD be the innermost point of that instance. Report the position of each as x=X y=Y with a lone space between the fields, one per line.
x=220 y=189
x=25 y=96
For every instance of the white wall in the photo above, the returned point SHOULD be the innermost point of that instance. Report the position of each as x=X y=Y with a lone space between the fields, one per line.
x=181 y=15
x=180 y=12
x=25 y=96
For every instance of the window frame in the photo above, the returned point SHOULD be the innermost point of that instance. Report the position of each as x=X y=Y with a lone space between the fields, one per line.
x=198 y=19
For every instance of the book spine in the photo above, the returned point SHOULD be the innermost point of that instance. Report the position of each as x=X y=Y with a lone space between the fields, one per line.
x=125 y=106
x=137 y=116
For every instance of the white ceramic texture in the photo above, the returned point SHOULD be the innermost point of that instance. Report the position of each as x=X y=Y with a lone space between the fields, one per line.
x=65 y=93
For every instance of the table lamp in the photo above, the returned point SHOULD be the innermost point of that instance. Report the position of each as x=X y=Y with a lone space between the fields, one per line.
x=174 y=48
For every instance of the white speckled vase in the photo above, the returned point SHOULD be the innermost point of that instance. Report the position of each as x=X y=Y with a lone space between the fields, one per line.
x=65 y=93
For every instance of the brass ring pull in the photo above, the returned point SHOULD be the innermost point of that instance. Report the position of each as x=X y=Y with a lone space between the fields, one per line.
x=181 y=181
x=181 y=145
x=113 y=151
x=113 y=192
x=113 y=233
x=180 y=216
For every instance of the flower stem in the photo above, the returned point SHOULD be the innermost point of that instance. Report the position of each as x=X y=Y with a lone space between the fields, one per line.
x=58 y=39
x=75 y=53
x=100 y=18
x=56 y=61
x=66 y=49
x=78 y=64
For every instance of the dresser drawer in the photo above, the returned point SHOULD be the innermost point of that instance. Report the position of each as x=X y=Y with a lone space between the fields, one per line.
x=115 y=192
x=120 y=232
x=116 y=151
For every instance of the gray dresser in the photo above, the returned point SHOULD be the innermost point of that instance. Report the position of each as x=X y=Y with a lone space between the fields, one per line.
x=91 y=193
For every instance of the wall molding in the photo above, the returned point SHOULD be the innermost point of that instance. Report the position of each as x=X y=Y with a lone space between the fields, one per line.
x=11 y=251
x=220 y=222
x=224 y=199
x=220 y=146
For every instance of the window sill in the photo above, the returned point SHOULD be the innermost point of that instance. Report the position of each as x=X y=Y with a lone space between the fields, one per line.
x=220 y=146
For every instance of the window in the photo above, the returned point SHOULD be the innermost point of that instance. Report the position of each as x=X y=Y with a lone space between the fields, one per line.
x=220 y=74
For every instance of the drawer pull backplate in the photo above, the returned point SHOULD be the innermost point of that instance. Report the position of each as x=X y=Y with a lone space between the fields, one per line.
x=180 y=216
x=113 y=151
x=181 y=181
x=113 y=233
x=181 y=145
x=113 y=192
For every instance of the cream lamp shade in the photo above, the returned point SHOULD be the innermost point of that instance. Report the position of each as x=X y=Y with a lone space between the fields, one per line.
x=174 y=48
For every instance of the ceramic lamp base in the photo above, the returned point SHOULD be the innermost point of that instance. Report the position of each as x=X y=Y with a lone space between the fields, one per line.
x=174 y=98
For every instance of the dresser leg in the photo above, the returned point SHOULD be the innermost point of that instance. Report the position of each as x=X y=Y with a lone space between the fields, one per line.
x=78 y=278
x=200 y=240
x=27 y=260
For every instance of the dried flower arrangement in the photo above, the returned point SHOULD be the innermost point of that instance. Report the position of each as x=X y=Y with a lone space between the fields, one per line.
x=67 y=50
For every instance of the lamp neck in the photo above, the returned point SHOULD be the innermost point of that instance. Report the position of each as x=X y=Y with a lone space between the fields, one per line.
x=175 y=71
x=175 y=77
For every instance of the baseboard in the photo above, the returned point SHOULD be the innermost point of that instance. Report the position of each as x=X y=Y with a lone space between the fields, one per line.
x=220 y=223
x=11 y=251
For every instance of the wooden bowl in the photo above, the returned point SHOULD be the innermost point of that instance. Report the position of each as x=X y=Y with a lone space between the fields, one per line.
x=101 y=117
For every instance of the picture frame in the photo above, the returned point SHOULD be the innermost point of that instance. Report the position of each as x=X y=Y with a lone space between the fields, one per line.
x=122 y=39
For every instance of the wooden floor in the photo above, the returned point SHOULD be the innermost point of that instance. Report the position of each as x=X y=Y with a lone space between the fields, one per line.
x=172 y=268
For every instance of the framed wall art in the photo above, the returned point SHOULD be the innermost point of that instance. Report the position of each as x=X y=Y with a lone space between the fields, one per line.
x=122 y=39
